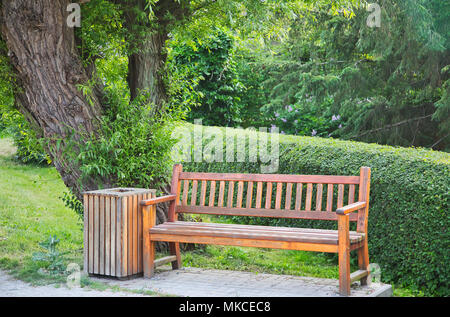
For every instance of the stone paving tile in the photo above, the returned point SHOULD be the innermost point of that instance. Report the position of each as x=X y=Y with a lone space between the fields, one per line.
x=196 y=282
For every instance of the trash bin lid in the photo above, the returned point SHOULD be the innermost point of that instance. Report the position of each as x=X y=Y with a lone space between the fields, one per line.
x=120 y=191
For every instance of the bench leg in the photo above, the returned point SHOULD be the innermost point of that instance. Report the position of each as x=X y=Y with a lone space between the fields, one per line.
x=174 y=248
x=344 y=255
x=148 y=246
x=363 y=261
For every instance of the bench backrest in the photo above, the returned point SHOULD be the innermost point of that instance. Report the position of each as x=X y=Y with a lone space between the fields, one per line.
x=270 y=195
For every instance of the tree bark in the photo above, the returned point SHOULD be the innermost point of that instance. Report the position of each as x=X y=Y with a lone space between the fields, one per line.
x=145 y=70
x=147 y=40
x=48 y=71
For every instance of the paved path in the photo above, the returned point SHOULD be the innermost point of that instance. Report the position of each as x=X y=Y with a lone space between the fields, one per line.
x=10 y=287
x=195 y=282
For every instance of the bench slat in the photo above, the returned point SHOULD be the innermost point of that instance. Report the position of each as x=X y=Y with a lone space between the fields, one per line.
x=185 y=192
x=286 y=245
x=288 y=199
x=230 y=194
x=257 y=233
x=219 y=226
x=319 y=197
x=258 y=194
x=212 y=193
x=249 y=194
x=221 y=193
x=330 y=197
x=203 y=193
x=284 y=178
x=259 y=212
x=194 y=193
x=239 y=194
x=298 y=197
x=340 y=201
x=269 y=195
x=309 y=188
x=351 y=194
x=278 y=196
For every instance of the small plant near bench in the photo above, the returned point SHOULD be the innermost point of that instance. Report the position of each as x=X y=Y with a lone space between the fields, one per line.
x=52 y=260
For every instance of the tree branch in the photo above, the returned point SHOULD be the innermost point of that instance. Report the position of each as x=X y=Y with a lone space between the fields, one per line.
x=390 y=126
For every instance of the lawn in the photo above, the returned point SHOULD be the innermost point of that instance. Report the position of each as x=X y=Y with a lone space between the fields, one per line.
x=31 y=209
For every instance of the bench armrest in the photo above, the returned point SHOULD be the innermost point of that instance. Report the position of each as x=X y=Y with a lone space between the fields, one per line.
x=158 y=200
x=351 y=208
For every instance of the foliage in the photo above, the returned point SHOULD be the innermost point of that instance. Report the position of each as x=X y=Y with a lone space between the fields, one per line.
x=72 y=202
x=51 y=259
x=389 y=89
x=409 y=201
x=212 y=63
x=134 y=146
x=30 y=149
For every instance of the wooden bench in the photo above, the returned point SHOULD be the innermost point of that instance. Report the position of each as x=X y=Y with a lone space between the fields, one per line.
x=318 y=197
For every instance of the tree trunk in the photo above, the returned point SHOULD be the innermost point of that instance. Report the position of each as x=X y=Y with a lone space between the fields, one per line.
x=145 y=70
x=48 y=70
x=147 y=41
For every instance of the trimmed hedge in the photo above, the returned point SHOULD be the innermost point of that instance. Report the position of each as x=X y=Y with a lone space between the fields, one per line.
x=409 y=200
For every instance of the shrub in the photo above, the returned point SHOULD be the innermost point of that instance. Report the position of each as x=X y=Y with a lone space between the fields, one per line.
x=409 y=201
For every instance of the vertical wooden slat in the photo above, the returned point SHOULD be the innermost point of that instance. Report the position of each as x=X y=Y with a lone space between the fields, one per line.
x=278 y=195
x=91 y=233
x=230 y=194
x=298 y=196
x=309 y=188
x=124 y=246
x=239 y=194
x=175 y=187
x=212 y=194
x=194 y=193
x=139 y=233
x=119 y=235
x=221 y=193
x=135 y=234
x=259 y=187
x=203 y=193
x=86 y=233
x=107 y=235
x=130 y=235
x=185 y=192
x=113 y=236
x=340 y=201
x=287 y=203
x=249 y=194
x=269 y=195
x=319 y=197
x=330 y=197
x=351 y=194
x=101 y=269
x=96 y=235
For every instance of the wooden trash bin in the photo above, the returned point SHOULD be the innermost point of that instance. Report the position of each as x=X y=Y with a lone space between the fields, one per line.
x=113 y=231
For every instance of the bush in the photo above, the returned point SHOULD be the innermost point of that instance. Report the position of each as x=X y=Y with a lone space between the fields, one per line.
x=409 y=201
x=30 y=149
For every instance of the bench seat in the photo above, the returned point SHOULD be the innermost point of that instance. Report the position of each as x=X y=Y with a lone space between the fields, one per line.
x=235 y=231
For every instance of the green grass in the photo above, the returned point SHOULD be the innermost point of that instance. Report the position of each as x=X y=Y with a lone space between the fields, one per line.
x=31 y=210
